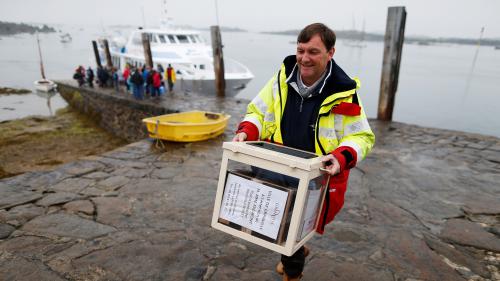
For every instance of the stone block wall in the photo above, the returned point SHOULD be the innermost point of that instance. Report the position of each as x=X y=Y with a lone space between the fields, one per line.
x=114 y=112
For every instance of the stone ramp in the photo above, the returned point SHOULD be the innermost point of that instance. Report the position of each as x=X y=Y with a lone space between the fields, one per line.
x=424 y=205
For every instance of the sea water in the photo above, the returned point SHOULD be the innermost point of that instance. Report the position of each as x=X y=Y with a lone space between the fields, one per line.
x=439 y=85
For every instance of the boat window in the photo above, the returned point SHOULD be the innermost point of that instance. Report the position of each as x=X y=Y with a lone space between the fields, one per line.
x=202 y=66
x=172 y=39
x=153 y=38
x=199 y=39
x=193 y=39
x=182 y=39
x=163 y=40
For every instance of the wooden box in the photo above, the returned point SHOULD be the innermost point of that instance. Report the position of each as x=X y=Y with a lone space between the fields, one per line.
x=275 y=203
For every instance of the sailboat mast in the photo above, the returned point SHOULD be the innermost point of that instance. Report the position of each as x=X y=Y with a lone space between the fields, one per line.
x=165 y=22
x=363 y=31
x=40 y=55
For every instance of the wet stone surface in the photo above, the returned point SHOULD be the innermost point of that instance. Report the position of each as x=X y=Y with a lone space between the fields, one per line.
x=423 y=206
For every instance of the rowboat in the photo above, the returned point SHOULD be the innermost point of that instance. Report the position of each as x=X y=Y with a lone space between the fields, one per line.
x=187 y=126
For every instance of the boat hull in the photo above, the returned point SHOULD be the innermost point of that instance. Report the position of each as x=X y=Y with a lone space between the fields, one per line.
x=207 y=87
x=45 y=85
x=188 y=126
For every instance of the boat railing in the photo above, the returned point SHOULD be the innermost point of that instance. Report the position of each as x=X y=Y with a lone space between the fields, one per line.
x=233 y=66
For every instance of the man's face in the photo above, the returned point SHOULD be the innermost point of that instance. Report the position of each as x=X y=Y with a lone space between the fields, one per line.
x=313 y=58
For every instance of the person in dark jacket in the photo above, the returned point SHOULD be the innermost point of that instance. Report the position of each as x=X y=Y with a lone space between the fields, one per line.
x=148 y=79
x=137 y=84
x=160 y=70
x=313 y=105
x=102 y=76
x=90 y=77
x=79 y=77
x=115 y=79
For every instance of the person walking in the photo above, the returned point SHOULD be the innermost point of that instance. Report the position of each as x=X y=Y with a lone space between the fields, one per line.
x=156 y=84
x=170 y=77
x=79 y=77
x=160 y=69
x=90 y=77
x=313 y=105
x=115 y=78
x=102 y=76
x=137 y=84
x=82 y=71
x=126 y=74
x=148 y=79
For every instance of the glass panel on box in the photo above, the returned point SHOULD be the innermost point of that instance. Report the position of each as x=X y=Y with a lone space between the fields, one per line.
x=284 y=149
x=315 y=193
x=258 y=201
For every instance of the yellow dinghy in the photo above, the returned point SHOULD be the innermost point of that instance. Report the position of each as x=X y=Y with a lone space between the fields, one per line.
x=187 y=126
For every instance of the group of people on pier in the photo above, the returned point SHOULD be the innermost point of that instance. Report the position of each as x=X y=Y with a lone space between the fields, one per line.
x=106 y=77
x=141 y=82
x=146 y=81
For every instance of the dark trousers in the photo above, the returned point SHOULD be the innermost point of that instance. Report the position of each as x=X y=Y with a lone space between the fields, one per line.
x=294 y=265
x=170 y=85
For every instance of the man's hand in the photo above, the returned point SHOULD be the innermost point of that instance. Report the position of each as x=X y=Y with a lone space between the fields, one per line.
x=331 y=164
x=240 y=137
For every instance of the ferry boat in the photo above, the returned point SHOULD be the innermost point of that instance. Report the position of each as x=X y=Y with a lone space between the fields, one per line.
x=187 y=52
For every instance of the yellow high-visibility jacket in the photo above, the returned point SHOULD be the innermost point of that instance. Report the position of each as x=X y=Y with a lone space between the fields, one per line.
x=173 y=75
x=333 y=129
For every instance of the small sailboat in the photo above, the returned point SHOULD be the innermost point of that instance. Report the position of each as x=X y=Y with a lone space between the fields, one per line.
x=44 y=84
x=187 y=126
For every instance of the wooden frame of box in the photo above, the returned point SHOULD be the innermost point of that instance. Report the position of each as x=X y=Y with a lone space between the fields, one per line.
x=290 y=194
x=303 y=169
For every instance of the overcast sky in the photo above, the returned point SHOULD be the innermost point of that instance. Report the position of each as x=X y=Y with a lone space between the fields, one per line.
x=437 y=18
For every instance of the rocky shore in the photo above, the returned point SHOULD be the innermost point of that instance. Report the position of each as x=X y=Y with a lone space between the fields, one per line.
x=41 y=143
x=13 y=91
x=423 y=206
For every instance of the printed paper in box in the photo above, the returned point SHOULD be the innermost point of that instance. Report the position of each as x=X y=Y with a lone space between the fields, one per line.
x=253 y=205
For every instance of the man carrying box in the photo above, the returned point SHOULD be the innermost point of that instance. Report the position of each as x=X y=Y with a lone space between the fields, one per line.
x=311 y=104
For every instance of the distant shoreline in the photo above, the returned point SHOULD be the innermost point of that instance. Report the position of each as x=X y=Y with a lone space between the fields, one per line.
x=10 y=28
x=358 y=36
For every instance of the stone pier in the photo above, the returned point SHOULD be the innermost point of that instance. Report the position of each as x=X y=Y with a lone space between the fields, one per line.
x=122 y=115
x=424 y=205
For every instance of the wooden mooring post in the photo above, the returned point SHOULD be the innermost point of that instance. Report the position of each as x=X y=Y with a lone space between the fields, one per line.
x=220 y=82
x=96 y=53
x=109 y=62
x=147 y=50
x=393 y=49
